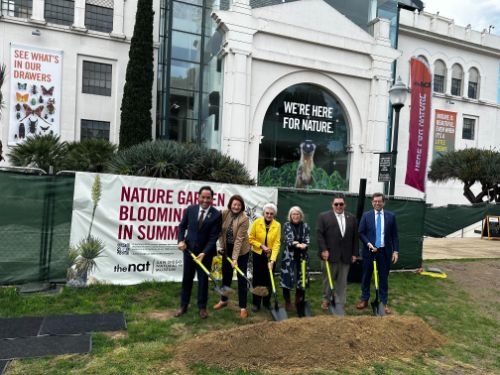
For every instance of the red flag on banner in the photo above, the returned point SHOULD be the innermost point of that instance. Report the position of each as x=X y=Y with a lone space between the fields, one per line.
x=420 y=118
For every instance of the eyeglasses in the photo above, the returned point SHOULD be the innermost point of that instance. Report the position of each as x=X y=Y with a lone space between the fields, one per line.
x=338 y=204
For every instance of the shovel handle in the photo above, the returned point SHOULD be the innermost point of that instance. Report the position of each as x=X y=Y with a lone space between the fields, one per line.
x=329 y=274
x=236 y=267
x=272 y=278
x=200 y=264
x=375 y=272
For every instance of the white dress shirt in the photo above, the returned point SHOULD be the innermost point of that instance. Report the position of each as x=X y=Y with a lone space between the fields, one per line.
x=341 y=221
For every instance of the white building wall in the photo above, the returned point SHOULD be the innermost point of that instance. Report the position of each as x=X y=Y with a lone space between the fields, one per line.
x=265 y=53
x=77 y=44
x=436 y=37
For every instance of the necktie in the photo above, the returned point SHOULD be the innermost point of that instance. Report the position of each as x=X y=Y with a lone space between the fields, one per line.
x=200 y=219
x=378 y=240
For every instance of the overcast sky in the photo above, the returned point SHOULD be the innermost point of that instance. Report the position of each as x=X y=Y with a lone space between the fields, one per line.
x=479 y=13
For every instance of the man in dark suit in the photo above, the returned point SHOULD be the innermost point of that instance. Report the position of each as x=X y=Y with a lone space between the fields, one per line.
x=337 y=234
x=203 y=224
x=379 y=233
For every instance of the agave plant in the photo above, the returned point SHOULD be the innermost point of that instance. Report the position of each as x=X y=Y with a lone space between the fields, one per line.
x=40 y=151
x=88 y=250
x=171 y=159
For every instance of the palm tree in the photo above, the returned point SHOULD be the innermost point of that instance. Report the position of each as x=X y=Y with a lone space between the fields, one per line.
x=39 y=151
x=470 y=165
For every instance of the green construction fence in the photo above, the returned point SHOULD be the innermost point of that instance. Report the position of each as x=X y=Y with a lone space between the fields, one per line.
x=35 y=223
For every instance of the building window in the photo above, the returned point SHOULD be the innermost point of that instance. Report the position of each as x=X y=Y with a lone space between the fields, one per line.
x=17 y=8
x=61 y=12
x=469 y=128
x=99 y=15
x=423 y=58
x=456 y=80
x=94 y=129
x=473 y=89
x=96 y=78
x=439 y=76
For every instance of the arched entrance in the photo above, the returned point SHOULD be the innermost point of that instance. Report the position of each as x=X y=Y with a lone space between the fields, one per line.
x=305 y=135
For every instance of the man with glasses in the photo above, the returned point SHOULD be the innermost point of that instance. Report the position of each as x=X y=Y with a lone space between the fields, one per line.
x=337 y=233
x=379 y=234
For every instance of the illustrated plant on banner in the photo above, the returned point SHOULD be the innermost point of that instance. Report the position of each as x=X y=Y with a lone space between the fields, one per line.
x=35 y=92
x=420 y=118
x=124 y=229
x=83 y=256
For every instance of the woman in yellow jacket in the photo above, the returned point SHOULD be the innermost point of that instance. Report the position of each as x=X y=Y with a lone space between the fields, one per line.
x=265 y=237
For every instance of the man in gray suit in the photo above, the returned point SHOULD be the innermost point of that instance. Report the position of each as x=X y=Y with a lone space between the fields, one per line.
x=337 y=234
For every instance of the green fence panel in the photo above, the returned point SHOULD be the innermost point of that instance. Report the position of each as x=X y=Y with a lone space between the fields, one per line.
x=409 y=216
x=442 y=221
x=35 y=224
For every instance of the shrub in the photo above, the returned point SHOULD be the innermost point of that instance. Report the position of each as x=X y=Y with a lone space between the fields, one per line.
x=170 y=159
x=89 y=155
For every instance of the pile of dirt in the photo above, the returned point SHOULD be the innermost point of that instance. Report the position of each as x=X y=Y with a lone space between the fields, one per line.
x=310 y=344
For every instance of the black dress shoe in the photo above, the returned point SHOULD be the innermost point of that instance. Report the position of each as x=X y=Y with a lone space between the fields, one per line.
x=255 y=308
x=181 y=311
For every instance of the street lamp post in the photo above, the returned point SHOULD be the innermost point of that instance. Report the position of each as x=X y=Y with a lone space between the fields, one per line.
x=397 y=96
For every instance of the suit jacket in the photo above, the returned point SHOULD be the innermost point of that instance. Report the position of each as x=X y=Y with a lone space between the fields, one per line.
x=240 y=231
x=330 y=238
x=367 y=231
x=257 y=237
x=203 y=239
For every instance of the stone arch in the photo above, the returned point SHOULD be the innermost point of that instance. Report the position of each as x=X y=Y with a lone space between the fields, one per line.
x=325 y=82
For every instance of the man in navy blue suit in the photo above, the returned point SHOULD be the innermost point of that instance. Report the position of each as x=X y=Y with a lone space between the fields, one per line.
x=203 y=224
x=379 y=233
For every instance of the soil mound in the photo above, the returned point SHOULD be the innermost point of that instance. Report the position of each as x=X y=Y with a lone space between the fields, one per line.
x=310 y=344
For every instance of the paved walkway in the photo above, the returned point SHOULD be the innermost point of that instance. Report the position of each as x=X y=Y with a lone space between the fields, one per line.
x=460 y=248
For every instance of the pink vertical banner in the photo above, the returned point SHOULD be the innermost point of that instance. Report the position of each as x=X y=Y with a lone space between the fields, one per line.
x=420 y=119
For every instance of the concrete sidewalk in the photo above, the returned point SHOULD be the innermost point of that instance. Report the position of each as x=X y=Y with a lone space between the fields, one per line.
x=460 y=248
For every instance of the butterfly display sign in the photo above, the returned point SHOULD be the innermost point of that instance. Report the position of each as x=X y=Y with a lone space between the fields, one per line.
x=35 y=92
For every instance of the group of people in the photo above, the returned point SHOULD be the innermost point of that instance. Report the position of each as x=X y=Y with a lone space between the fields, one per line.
x=205 y=230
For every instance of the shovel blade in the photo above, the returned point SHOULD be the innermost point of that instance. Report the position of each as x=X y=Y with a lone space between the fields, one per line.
x=378 y=308
x=260 y=291
x=224 y=291
x=307 y=309
x=336 y=309
x=227 y=291
x=279 y=314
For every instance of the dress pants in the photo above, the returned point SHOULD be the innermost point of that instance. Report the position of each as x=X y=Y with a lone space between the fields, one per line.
x=261 y=278
x=189 y=270
x=339 y=272
x=227 y=275
x=383 y=258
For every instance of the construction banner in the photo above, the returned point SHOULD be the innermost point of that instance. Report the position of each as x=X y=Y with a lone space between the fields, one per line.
x=420 y=117
x=124 y=229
